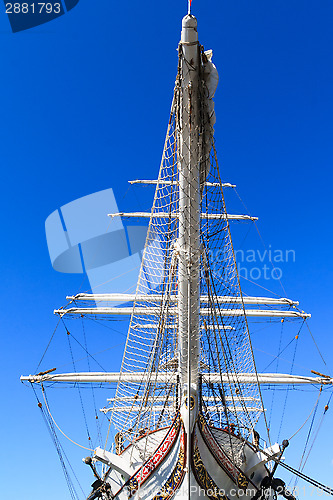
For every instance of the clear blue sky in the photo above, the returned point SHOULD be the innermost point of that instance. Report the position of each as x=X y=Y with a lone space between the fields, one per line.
x=85 y=104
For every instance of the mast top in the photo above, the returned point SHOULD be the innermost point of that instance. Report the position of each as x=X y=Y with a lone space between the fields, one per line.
x=189 y=30
x=189 y=21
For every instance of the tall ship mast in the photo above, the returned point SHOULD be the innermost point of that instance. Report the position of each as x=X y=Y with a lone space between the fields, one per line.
x=188 y=394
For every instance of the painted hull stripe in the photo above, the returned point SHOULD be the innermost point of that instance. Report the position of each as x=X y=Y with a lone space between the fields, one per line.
x=234 y=472
x=220 y=456
x=153 y=462
x=172 y=484
x=203 y=478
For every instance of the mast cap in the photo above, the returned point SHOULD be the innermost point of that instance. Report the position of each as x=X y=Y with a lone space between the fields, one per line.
x=189 y=21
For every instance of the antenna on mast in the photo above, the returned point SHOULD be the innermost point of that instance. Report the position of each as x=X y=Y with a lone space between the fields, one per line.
x=189 y=7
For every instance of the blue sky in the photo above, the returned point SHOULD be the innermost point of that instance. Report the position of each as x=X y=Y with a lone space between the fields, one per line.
x=85 y=105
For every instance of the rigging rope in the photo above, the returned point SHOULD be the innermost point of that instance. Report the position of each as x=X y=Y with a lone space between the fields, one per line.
x=307 y=440
x=260 y=286
x=60 y=451
x=241 y=294
x=57 y=426
x=315 y=343
x=300 y=474
x=291 y=371
x=314 y=407
x=262 y=241
x=240 y=290
x=80 y=395
x=279 y=353
x=48 y=345
x=308 y=479
x=77 y=341
x=98 y=426
x=276 y=370
x=317 y=431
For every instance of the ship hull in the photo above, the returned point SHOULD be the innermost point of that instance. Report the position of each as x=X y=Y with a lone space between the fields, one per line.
x=223 y=466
